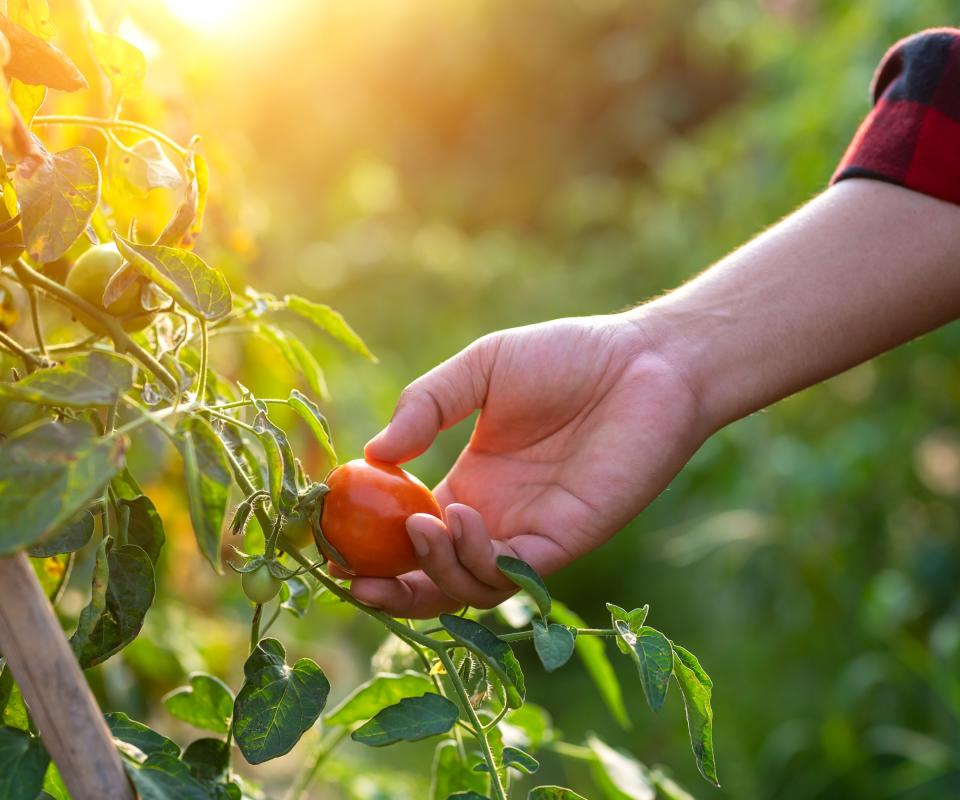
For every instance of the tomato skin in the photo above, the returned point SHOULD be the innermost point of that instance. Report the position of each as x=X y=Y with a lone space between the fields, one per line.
x=88 y=278
x=297 y=529
x=365 y=513
x=259 y=585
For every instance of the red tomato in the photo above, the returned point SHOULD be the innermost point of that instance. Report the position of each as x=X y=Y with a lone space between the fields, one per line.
x=365 y=512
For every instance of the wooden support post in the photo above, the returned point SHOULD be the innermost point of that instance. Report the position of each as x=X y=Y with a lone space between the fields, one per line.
x=61 y=704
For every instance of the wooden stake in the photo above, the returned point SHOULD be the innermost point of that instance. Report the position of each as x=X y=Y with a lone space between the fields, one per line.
x=61 y=704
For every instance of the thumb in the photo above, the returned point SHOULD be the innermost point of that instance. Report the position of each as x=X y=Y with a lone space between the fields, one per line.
x=442 y=397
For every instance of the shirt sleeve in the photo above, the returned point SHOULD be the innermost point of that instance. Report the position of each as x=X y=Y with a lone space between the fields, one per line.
x=911 y=137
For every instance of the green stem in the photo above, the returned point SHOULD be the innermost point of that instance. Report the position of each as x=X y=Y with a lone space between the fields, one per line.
x=240 y=403
x=231 y=420
x=476 y=724
x=109 y=124
x=204 y=347
x=30 y=361
x=255 y=627
x=273 y=618
x=524 y=635
x=122 y=341
x=35 y=319
x=327 y=745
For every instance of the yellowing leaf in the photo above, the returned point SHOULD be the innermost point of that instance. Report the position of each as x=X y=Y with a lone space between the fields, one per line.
x=121 y=63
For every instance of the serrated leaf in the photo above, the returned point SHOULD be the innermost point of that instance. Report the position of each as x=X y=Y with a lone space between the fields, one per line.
x=122 y=64
x=142 y=737
x=553 y=793
x=68 y=538
x=122 y=593
x=277 y=703
x=620 y=774
x=329 y=321
x=206 y=703
x=410 y=720
x=493 y=650
x=47 y=475
x=697 y=688
x=591 y=652
x=207 y=470
x=526 y=577
x=57 y=200
x=23 y=763
x=653 y=655
x=163 y=777
x=280 y=462
x=310 y=413
x=183 y=275
x=634 y=620
x=451 y=775
x=85 y=381
x=554 y=644
x=33 y=60
x=384 y=689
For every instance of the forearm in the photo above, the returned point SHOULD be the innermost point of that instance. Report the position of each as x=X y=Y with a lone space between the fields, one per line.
x=862 y=268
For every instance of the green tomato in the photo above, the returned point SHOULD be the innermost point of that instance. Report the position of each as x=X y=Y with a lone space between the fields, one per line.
x=259 y=585
x=298 y=530
x=89 y=276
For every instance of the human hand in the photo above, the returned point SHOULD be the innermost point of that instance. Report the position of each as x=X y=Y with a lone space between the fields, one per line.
x=582 y=424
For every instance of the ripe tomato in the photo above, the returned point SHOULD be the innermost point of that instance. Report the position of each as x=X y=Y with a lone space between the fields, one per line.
x=88 y=278
x=259 y=585
x=365 y=512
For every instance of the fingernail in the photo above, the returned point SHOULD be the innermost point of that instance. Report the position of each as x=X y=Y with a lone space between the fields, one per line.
x=455 y=525
x=420 y=544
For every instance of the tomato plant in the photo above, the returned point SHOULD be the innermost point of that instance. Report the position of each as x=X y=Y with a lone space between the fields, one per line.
x=363 y=525
x=70 y=410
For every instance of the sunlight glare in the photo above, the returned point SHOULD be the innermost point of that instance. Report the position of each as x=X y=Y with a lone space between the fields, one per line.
x=211 y=16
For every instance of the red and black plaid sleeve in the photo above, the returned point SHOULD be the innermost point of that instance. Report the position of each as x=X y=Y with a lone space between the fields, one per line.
x=912 y=135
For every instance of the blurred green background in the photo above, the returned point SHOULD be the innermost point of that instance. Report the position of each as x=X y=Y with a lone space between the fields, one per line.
x=437 y=170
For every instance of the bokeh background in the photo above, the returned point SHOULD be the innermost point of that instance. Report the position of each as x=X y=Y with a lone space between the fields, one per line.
x=437 y=170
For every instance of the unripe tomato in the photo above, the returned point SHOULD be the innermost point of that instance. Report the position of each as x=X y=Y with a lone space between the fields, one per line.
x=259 y=585
x=88 y=278
x=298 y=530
x=364 y=516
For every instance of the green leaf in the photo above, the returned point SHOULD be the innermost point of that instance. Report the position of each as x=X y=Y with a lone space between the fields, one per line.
x=329 y=321
x=13 y=711
x=297 y=356
x=653 y=654
x=697 y=688
x=140 y=736
x=183 y=275
x=634 y=620
x=47 y=475
x=554 y=644
x=493 y=650
x=123 y=591
x=53 y=784
x=310 y=413
x=144 y=526
x=410 y=720
x=553 y=793
x=23 y=763
x=620 y=775
x=84 y=381
x=163 y=777
x=57 y=201
x=384 y=689
x=520 y=760
x=206 y=703
x=122 y=64
x=277 y=703
x=66 y=539
x=208 y=759
x=526 y=577
x=295 y=596
x=208 y=475
x=468 y=796
x=591 y=652
x=280 y=461
x=450 y=774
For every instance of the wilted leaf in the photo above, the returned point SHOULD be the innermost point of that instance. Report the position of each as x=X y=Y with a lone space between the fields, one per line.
x=410 y=720
x=493 y=650
x=206 y=703
x=47 y=475
x=277 y=703
x=330 y=321
x=382 y=690
x=697 y=688
x=84 y=381
x=57 y=200
x=183 y=275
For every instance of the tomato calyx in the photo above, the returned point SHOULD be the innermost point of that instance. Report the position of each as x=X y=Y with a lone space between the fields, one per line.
x=310 y=507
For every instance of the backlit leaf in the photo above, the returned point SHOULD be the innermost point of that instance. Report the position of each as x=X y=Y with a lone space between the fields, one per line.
x=634 y=620
x=33 y=60
x=553 y=793
x=53 y=572
x=493 y=650
x=280 y=461
x=57 y=200
x=410 y=720
x=697 y=688
x=619 y=774
x=329 y=321
x=381 y=691
x=451 y=775
x=554 y=644
x=84 y=381
x=309 y=412
x=526 y=577
x=123 y=65
x=653 y=655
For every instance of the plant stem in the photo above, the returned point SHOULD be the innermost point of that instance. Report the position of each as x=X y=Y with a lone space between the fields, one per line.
x=204 y=347
x=479 y=732
x=30 y=361
x=35 y=319
x=326 y=746
x=231 y=420
x=122 y=341
x=524 y=635
x=109 y=124
x=255 y=627
x=273 y=618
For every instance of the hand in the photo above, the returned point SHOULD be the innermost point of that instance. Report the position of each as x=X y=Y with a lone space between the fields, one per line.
x=581 y=426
